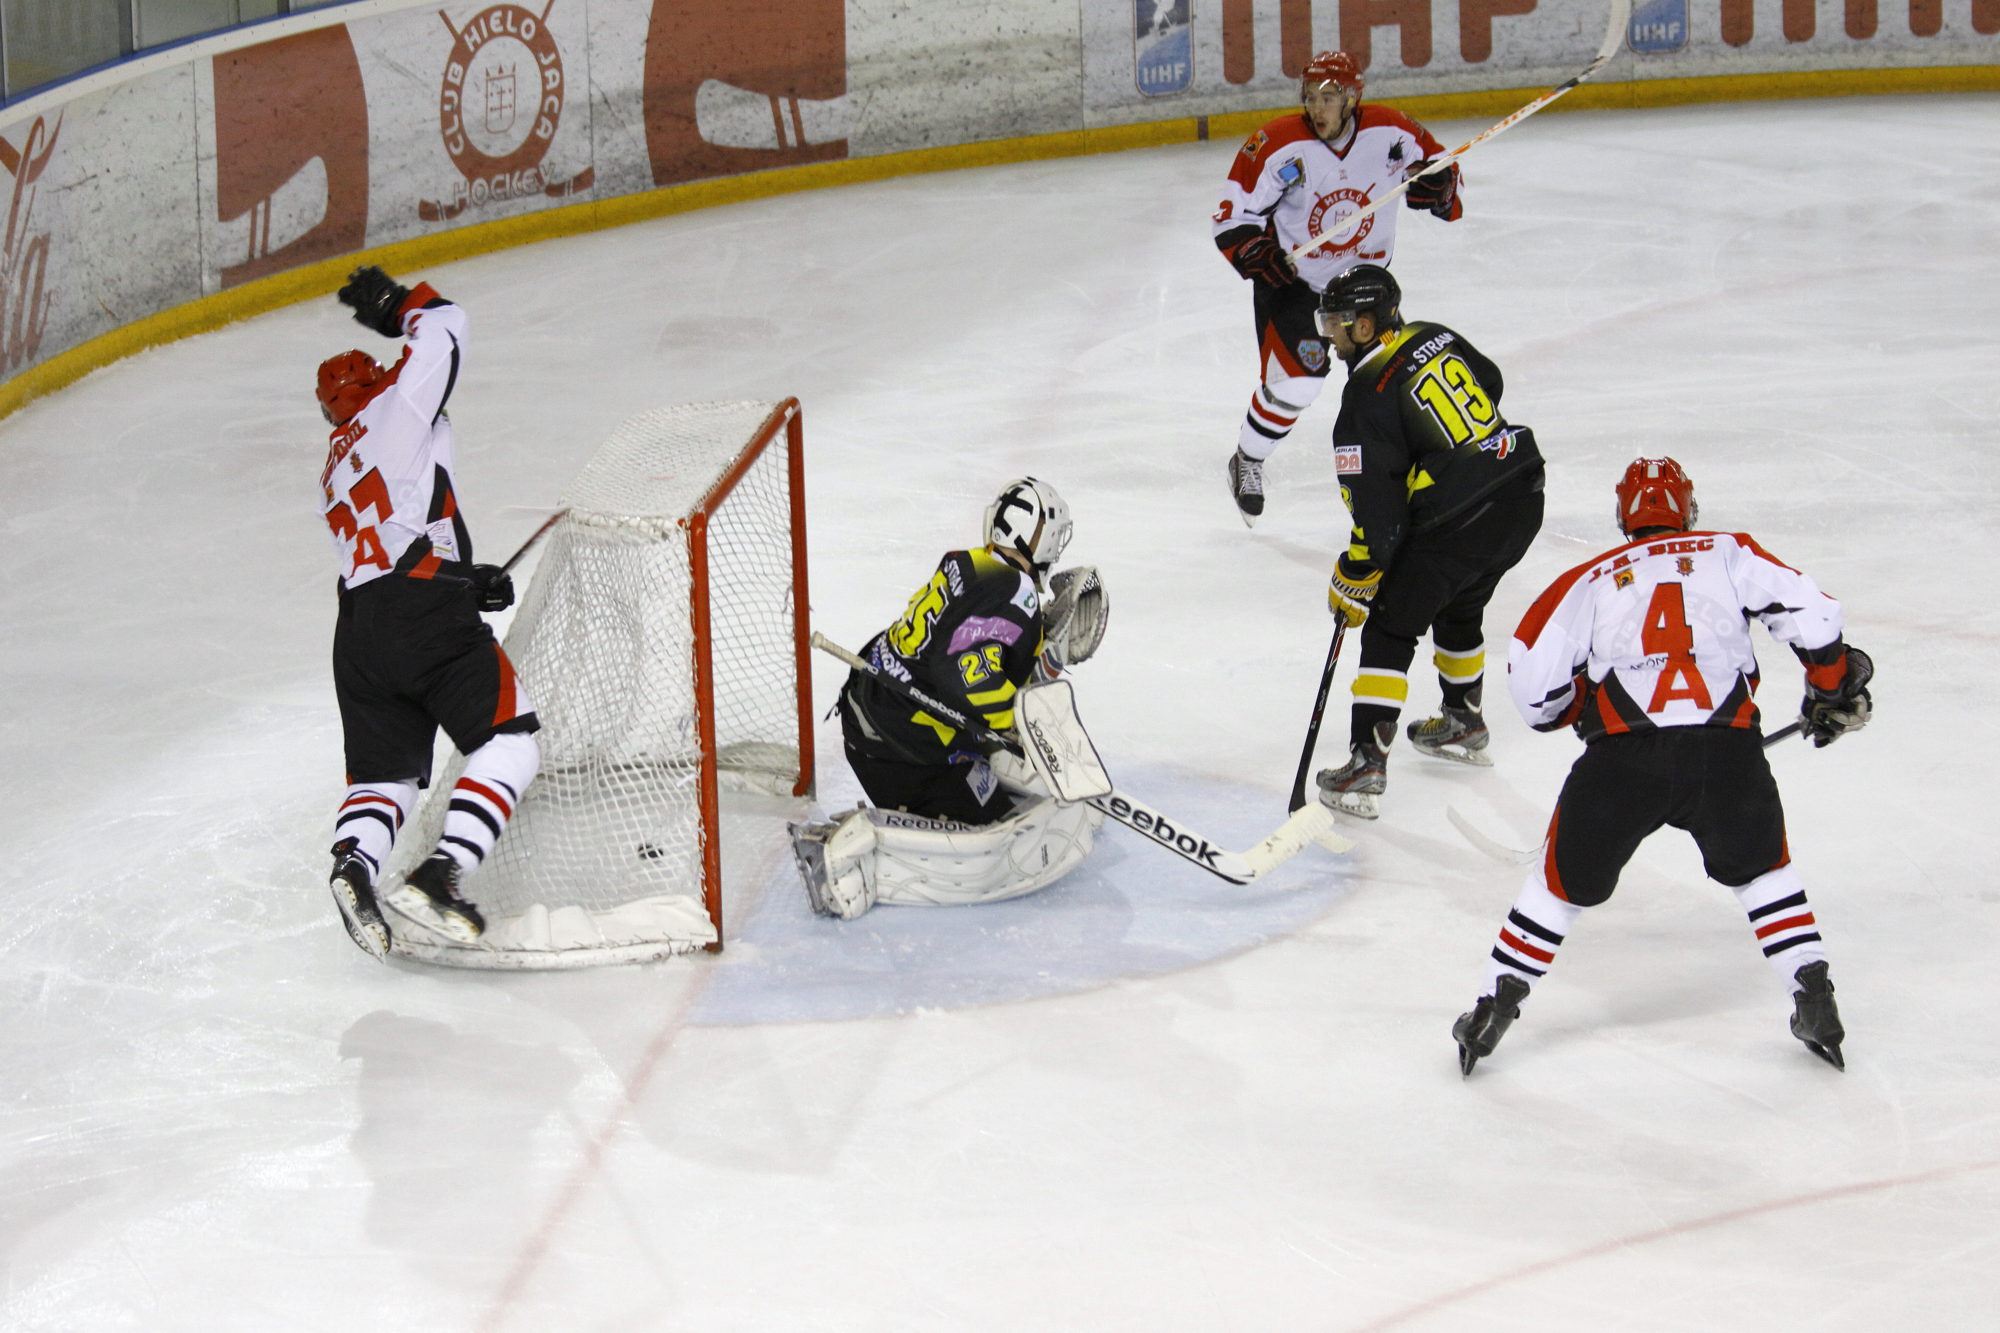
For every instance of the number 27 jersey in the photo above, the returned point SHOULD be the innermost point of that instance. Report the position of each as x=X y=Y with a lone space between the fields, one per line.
x=1655 y=633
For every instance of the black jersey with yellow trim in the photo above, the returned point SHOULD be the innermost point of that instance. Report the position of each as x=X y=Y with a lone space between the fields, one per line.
x=1420 y=438
x=969 y=637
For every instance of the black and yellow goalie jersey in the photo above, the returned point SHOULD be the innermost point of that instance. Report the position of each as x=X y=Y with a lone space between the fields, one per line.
x=1420 y=439
x=970 y=638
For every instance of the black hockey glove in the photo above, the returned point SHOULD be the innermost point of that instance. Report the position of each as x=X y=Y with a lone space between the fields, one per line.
x=1827 y=715
x=1262 y=259
x=492 y=587
x=376 y=299
x=1435 y=192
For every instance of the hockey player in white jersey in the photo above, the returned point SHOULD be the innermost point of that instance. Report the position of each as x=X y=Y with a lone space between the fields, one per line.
x=1645 y=650
x=957 y=819
x=410 y=653
x=1295 y=179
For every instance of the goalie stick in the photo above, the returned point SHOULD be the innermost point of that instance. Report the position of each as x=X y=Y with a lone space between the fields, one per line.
x=1614 y=37
x=1314 y=823
x=1500 y=851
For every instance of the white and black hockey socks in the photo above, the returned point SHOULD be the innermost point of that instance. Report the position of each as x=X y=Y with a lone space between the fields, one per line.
x=485 y=795
x=1530 y=936
x=372 y=814
x=1776 y=904
x=1274 y=410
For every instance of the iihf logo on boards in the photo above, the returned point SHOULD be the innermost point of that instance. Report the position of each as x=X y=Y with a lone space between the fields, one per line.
x=1162 y=47
x=499 y=106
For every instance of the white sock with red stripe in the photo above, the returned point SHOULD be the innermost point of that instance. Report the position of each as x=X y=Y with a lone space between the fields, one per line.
x=485 y=796
x=1274 y=410
x=1531 y=934
x=1776 y=904
x=372 y=814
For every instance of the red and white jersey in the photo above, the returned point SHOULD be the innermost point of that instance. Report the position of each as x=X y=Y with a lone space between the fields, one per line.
x=1655 y=633
x=1287 y=174
x=388 y=476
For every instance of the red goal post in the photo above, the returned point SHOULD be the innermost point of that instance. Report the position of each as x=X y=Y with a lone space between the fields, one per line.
x=665 y=640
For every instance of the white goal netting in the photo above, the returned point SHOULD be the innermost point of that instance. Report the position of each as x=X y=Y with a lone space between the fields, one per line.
x=664 y=625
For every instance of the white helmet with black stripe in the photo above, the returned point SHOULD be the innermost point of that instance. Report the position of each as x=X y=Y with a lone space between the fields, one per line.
x=1029 y=519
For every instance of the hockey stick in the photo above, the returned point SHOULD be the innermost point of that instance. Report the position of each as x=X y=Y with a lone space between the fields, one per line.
x=1319 y=712
x=1287 y=841
x=1614 y=37
x=1500 y=851
x=533 y=537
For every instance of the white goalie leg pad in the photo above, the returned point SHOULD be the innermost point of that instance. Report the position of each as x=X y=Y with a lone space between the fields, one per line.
x=932 y=863
x=837 y=863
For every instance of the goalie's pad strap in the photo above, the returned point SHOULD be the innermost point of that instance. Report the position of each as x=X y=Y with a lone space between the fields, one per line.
x=931 y=863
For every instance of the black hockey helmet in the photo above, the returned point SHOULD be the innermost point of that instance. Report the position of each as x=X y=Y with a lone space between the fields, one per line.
x=1365 y=289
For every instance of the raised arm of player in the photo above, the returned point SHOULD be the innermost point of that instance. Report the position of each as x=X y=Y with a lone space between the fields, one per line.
x=433 y=355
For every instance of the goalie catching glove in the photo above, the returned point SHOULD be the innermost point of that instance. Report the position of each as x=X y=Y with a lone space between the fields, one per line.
x=1828 y=714
x=1351 y=591
x=1073 y=623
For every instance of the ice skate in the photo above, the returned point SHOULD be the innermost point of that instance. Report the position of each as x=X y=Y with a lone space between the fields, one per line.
x=1356 y=787
x=354 y=894
x=428 y=896
x=809 y=850
x=833 y=863
x=1246 y=486
x=1480 y=1029
x=1457 y=734
x=1815 y=1017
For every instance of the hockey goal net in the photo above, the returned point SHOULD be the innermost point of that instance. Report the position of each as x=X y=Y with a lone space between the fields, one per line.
x=664 y=640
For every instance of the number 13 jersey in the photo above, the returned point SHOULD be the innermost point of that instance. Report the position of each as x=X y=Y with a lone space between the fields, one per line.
x=1655 y=633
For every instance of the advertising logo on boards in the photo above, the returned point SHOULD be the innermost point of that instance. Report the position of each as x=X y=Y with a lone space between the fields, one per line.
x=291 y=154
x=742 y=85
x=1658 y=27
x=500 y=103
x=24 y=251
x=1162 y=47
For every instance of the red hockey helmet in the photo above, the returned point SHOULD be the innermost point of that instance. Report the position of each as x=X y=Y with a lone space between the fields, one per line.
x=1655 y=493
x=346 y=383
x=1336 y=67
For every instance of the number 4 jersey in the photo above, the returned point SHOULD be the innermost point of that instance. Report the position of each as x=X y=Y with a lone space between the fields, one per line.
x=387 y=484
x=1655 y=633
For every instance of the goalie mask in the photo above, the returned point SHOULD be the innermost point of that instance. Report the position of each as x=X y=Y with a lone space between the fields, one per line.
x=1655 y=493
x=1030 y=519
x=346 y=383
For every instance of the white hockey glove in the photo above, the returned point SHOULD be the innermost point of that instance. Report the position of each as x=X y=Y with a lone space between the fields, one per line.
x=1078 y=611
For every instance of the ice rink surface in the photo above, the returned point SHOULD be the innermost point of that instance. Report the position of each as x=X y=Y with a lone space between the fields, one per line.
x=1142 y=1099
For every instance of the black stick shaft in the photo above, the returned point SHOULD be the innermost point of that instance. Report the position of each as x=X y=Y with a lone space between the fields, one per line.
x=533 y=537
x=1319 y=712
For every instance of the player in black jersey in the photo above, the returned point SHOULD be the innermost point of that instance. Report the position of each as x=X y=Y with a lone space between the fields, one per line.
x=972 y=636
x=1445 y=497
x=956 y=818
